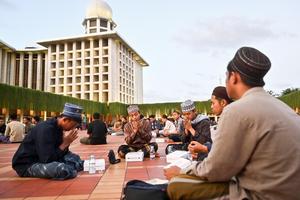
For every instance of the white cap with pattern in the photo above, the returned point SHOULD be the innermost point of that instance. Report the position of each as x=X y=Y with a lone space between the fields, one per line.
x=132 y=108
x=187 y=106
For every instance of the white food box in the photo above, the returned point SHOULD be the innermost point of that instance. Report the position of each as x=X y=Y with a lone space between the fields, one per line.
x=100 y=165
x=159 y=140
x=177 y=154
x=134 y=156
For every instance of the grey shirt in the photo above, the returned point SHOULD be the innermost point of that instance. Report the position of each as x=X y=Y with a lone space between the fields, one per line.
x=258 y=143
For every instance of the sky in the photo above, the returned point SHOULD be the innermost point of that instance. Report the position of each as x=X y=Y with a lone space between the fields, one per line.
x=187 y=44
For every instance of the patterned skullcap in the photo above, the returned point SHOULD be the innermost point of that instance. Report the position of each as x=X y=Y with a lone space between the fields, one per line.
x=72 y=111
x=132 y=108
x=250 y=63
x=220 y=92
x=187 y=106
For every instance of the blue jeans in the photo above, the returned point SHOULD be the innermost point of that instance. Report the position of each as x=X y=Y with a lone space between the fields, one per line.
x=4 y=139
x=67 y=168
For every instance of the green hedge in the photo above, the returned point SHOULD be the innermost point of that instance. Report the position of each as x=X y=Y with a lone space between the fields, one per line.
x=292 y=99
x=168 y=108
x=13 y=97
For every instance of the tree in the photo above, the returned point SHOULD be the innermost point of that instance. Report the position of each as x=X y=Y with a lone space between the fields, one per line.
x=288 y=91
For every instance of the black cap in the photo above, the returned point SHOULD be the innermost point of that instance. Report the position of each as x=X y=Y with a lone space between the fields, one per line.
x=252 y=64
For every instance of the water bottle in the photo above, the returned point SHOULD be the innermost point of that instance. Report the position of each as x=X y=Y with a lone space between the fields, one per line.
x=92 y=167
x=170 y=149
x=152 y=153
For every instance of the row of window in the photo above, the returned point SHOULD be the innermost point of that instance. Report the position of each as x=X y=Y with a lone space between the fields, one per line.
x=79 y=54
x=78 y=79
x=34 y=73
x=78 y=45
x=26 y=56
x=125 y=50
x=103 y=22
x=126 y=99
x=78 y=71
x=126 y=74
x=96 y=95
x=126 y=90
x=80 y=88
x=79 y=63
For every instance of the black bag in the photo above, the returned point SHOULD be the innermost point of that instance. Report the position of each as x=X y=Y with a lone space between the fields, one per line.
x=140 y=190
x=174 y=147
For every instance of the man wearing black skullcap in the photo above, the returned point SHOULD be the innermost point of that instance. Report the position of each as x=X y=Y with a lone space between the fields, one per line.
x=257 y=152
x=219 y=99
x=44 y=152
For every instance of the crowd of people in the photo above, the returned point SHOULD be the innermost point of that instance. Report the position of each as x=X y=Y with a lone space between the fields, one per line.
x=14 y=131
x=253 y=152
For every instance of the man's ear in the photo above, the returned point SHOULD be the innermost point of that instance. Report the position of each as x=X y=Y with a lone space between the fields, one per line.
x=223 y=102
x=235 y=77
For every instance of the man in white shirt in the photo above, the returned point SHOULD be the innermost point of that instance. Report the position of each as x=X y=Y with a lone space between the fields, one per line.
x=169 y=126
x=15 y=130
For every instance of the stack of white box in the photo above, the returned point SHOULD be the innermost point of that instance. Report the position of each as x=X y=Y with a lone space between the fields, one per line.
x=134 y=156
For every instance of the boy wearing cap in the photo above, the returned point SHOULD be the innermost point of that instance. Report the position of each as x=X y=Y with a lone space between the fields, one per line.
x=257 y=152
x=44 y=153
x=196 y=128
x=219 y=99
x=137 y=134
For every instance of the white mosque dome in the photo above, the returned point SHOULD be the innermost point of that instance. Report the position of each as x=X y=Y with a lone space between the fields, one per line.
x=99 y=8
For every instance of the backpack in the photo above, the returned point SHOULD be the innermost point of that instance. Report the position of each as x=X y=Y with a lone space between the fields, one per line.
x=137 y=190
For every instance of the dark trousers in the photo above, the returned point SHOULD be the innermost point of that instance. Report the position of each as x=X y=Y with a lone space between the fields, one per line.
x=90 y=141
x=4 y=139
x=124 y=149
x=60 y=170
x=175 y=137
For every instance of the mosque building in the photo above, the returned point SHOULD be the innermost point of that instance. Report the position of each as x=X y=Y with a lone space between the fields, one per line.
x=98 y=65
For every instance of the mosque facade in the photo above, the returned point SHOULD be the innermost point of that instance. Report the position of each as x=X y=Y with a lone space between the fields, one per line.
x=98 y=65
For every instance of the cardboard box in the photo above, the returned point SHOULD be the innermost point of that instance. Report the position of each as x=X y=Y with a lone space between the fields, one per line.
x=134 y=156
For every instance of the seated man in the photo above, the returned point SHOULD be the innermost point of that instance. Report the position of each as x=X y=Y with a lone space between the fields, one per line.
x=196 y=128
x=155 y=126
x=117 y=128
x=35 y=120
x=137 y=134
x=256 y=154
x=97 y=132
x=44 y=153
x=179 y=127
x=219 y=99
x=2 y=126
x=27 y=124
x=169 y=127
x=14 y=132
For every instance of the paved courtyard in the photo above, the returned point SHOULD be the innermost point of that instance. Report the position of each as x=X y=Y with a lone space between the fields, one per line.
x=105 y=185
